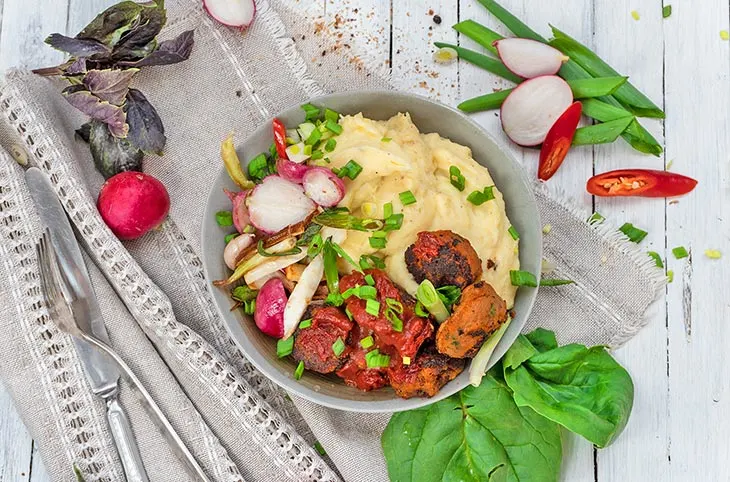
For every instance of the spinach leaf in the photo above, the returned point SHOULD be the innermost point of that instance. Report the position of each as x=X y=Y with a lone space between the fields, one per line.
x=478 y=434
x=542 y=339
x=583 y=389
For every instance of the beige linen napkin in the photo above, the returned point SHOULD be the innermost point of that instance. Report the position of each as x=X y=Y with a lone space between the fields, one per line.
x=163 y=322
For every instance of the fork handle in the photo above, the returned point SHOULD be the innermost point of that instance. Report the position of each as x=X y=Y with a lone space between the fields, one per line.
x=124 y=440
x=158 y=417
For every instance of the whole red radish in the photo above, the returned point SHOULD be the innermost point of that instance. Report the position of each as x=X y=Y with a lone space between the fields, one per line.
x=132 y=203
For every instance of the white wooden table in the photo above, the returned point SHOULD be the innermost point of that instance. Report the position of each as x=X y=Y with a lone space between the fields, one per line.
x=678 y=429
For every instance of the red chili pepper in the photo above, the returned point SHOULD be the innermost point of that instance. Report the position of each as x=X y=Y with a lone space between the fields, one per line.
x=558 y=141
x=280 y=138
x=640 y=182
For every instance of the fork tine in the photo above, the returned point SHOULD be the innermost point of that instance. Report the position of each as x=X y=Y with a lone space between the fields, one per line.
x=48 y=280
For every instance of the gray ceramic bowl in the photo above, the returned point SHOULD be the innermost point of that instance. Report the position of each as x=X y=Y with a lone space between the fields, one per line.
x=429 y=116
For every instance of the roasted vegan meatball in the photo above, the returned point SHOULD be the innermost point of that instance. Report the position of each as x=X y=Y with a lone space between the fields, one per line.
x=426 y=375
x=313 y=345
x=479 y=313
x=444 y=258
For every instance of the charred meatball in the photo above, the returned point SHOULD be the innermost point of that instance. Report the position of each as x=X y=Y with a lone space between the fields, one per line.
x=426 y=375
x=444 y=258
x=313 y=345
x=479 y=313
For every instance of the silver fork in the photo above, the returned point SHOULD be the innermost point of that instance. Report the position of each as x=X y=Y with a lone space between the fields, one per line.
x=60 y=312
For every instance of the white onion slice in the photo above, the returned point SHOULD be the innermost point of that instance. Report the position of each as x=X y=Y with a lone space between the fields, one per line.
x=273 y=265
x=529 y=58
x=233 y=13
x=323 y=186
x=234 y=248
x=277 y=203
x=302 y=295
x=479 y=364
x=296 y=152
x=532 y=108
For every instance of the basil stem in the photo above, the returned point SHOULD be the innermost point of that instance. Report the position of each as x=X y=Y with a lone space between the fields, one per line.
x=480 y=60
x=604 y=133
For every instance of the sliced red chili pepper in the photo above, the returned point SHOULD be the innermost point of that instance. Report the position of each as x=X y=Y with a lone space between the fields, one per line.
x=640 y=182
x=558 y=141
x=280 y=138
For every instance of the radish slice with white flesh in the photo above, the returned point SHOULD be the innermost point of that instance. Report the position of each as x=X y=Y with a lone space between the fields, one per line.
x=481 y=361
x=270 y=305
x=235 y=247
x=532 y=108
x=277 y=203
x=302 y=294
x=240 y=211
x=323 y=186
x=291 y=171
x=529 y=58
x=272 y=265
x=232 y=13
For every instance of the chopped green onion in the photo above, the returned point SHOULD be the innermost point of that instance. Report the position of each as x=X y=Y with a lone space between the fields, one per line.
x=449 y=295
x=343 y=254
x=352 y=169
x=379 y=234
x=317 y=155
x=370 y=280
x=249 y=307
x=310 y=112
x=596 y=218
x=230 y=237
x=479 y=33
x=395 y=305
x=348 y=313
x=387 y=210
x=307 y=150
x=258 y=168
x=342 y=219
x=372 y=307
x=315 y=246
x=713 y=253
x=670 y=275
x=477 y=198
x=313 y=138
x=266 y=254
x=386 y=139
x=489 y=192
x=556 y=282
x=305 y=323
x=513 y=232
x=284 y=347
x=486 y=62
x=393 y=222
x=634 y=234
x=367 y=292
x=657 y=259
x=680 y=252
x=407 y=197
x=299 y=371
x=367 y=342
x=369 y=261
x=224 y=218
x=331 y=115
x=420 y=311
x=547 y=228
x=429 y=298
x=333 y=127
x=243 y=293
x=395 y=320
x=666 y=11
x=272 y=151
x=375 y=359
x=523 y=278
x=456 y=178
x=377 y=243
x=320 y=450
x=334 y=299
x=248 y=229
x=331 y=144
x=331 y=275
x=338 y=346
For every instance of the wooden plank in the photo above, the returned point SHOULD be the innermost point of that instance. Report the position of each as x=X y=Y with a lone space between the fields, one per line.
x=38 y=471
x=698 y=139
x=81 y=12
x=578 y=461
x=15 y=442
x=634 y=48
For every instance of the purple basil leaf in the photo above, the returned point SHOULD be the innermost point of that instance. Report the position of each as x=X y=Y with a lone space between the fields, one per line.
x=140 y=41
x=84 y=132
x=109 y=114
x=145 y=126
x=169 y=52
x=110 y=25
x=76 y=47
x=112 y=155
x=78 y=66
x=109 y=85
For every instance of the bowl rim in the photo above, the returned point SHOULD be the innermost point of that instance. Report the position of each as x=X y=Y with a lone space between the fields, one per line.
x=376 y=406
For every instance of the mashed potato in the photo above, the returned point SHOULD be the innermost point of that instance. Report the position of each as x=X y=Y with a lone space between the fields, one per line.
x=420 y=163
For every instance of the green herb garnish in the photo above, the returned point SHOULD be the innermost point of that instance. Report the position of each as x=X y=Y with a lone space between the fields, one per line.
x=429 y=298
x=350 y=170
x=370 y=261
x=338 y=346
x=367 y=342
x=372 y=307
x=310 y=112
x=342 y=219
x=224 y=218
x=657 y=258
x=230 y=237
x=407 y=197
x=634 y=234
x=299 y=371
x=680 y=252
x=513 y=232
x=330 y=145
x=284 y=347
x=305 y=323
x=370 y=280
x=330 y=115
x=522 y=278
x=456 y=178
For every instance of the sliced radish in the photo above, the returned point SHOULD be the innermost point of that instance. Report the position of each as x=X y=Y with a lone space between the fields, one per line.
x=298 y=153
x=532 y=108
x=302 y=294
x=239 y=210
x=291 y=171
x=323 y=186
x=529 y=58
x=233 y=13
x=273 y=265
x=270 y=305
x=277 y=203
x=235 y=249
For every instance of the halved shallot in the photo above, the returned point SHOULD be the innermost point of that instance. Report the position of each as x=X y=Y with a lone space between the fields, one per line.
x=532 y=108
x=270 y=304
x=272 y=265
x=323 y=186
x=291 y=171
x=277 y=203
x=233 y=13
x=239 y=210
x=302 y=294
x=529 y=58
x=235 y=249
